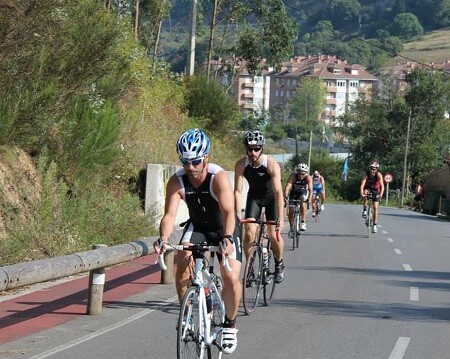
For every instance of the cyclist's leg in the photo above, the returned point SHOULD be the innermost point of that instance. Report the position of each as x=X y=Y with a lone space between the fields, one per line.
x=232 y=289
x=184 y=260
x=290 y=215
x=252 y=210
x=277 y=243
x=375 y=208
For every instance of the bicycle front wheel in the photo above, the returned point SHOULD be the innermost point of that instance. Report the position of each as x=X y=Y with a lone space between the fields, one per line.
x=269 y=276
x=189 y=343
x=369 y=221
x=296 y=234
x=217 y=318
x=252 y=279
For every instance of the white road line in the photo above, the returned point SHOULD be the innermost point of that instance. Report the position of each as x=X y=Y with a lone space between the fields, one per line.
x=398 y=251
x=407 y=267
x=75 y=342
x=400 y=348
x=414 y=294
x=384 y=232
x=390 y=239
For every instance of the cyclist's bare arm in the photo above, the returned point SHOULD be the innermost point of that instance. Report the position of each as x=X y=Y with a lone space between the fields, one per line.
x=172 y=201
x=238 y=185
x=310 y=188
x=275 y=172
x=361 y=187
x=287 y=188
x=380 y=179
x=224 y=192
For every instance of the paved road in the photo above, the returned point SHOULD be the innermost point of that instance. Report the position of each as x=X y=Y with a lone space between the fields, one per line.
x=345 y=296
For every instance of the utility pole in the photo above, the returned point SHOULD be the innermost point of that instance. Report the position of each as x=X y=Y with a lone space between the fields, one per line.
x=310 y=149
x=406 y=158
x=191 y=54
x=296 y=148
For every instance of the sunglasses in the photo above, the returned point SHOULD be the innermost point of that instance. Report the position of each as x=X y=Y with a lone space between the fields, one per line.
x=302 y=173
x=254 y=149
x=194 y=162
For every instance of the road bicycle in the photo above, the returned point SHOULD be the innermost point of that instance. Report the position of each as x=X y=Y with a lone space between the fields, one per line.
x=202 y=311
x=316 y=206
x=369 y=217
x=259 y=272
x=295 y=205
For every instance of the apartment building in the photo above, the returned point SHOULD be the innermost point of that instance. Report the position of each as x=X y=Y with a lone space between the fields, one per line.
x=344 y=83
x=257 y=93
x=250 y=91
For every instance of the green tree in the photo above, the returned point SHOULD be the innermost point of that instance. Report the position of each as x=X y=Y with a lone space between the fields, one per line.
x=207 y=101
x=406 y=26
x=307 y=105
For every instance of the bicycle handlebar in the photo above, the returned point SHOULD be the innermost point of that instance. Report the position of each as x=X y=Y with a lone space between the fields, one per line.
x=193 y=248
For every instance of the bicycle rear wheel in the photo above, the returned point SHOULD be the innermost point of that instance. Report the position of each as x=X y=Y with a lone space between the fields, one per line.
x=269 y=277
x=189 y=345
x=252 y=279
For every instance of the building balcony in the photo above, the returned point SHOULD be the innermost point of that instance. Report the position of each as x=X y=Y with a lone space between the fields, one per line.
x=247 y=95
x=245 y=85
x=331 y=101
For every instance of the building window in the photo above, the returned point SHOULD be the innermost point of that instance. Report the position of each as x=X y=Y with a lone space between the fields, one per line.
x=337 y=70
x=341 y=83
x=330 y=83
x=354 y=84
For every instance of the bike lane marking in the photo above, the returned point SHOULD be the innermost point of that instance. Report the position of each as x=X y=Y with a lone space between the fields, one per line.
x=117 y=325
x=400 y=348
x=51 y=306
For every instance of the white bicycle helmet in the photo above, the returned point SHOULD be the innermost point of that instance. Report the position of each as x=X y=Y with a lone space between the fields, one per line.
x=193 y=144
x=303 y=167
x=374 y=164
x=254 y=138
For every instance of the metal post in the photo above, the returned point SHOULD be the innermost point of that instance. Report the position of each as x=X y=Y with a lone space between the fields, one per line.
x=95 y=291
x=406 y=158
x=192 y=38
x=167 y=275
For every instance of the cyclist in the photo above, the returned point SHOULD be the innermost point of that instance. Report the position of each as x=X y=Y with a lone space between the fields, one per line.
x=420 y=194
x=372 y=182
x=207 y=191
x=263 y=175
x=299 y=187
x=319 y=188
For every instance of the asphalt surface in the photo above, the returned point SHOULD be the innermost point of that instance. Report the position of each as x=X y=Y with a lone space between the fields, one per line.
x=344 y=296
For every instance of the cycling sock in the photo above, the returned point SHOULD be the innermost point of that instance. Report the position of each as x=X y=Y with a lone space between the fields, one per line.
x=228 y=323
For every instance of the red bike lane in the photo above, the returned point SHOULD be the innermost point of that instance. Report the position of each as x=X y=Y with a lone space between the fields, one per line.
x=48 y=307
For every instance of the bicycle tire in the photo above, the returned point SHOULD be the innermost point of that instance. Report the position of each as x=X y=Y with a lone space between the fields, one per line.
x=252 y=279
x=369 y=220
x=317 y=209
x=296 y=234
x=269 y=277
x=189 y=329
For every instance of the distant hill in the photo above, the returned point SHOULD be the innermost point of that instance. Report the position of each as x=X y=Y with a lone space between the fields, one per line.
x=433 y=46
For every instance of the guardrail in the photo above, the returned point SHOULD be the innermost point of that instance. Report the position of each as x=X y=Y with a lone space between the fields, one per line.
x=94 y=261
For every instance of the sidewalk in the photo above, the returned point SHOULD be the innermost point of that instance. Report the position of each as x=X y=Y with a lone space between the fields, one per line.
x=42 y=307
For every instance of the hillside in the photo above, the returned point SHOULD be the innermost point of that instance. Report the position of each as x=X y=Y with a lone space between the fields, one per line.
x=433 y=46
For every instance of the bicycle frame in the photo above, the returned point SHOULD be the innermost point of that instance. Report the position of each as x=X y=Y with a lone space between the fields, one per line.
x=369 y=219
x=258 y=275
x=202 y=277
x=295 y=205
x=316 y=206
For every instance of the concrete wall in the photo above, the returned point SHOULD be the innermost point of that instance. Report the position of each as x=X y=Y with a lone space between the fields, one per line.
x=155 y=191
x=437 y=192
